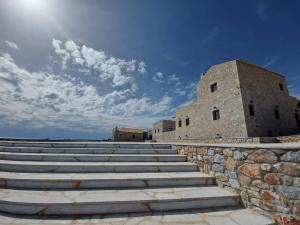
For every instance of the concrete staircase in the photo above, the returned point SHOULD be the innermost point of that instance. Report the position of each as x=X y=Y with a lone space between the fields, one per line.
x=68 y=179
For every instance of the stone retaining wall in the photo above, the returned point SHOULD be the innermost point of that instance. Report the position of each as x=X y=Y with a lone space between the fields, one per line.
x=292 y=138
x=267 y=179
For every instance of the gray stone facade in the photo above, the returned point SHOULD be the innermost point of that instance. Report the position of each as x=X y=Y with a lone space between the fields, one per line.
x=163 y=130
x=238 y=99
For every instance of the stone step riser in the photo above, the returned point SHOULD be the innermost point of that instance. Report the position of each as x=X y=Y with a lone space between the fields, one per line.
x=63 y=168
x=84 y=145
x=102 y=184
x=91 y=158
x=39 y=209
x=88 y=150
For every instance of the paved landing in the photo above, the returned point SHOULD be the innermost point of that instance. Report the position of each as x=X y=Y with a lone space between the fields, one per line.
x=196 y=217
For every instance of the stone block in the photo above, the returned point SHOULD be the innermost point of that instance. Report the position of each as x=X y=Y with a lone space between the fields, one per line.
x=291 y=169
x=222 y=178
x=296 y=208
x=253 y=194
x=199 y=157
x=260 y=184
x=232 y=175
x=290 y=192
x=297 y=181
x=287 y=180
x=244 y=180
x=291 y=157
x=272 y=178
x=234 y=183
x=263 y=156
x=227 y=152
x=218 y=168
x=202 y=151
x=211 y=151
x=237 y=155
x=219 y=159
x=230 y=164
x=286 y=220
x=266 y=167
x=250 y=170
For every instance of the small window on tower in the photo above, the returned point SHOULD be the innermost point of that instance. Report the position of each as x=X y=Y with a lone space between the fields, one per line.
x=281 y=86
x=251 y=110
x=187 y=121
x=216 y=114
x=179 y=123
x=276 y=112
x=297 y=119
x=213 y=87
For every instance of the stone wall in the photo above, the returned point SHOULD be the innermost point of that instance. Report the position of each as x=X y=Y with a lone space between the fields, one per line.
x=292 y=138
x=267 y=179
x=165 y=136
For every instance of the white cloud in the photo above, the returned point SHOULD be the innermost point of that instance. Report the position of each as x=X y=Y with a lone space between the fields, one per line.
x=142 y=68
x=174 y=77
x=179 y=91
x=158 y=77
x=191 y=90
x=12 y=45
x=270 y=61
x=64 y=54
x=108 y=68
x=47 y=100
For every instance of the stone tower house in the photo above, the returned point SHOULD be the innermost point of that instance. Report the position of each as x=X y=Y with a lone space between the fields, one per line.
x=238 y=99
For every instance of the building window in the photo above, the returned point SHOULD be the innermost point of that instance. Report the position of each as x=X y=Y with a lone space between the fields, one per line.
x=158 y=130
x=155 y=131
x=269 y=133
x=216 y=114
x=297 y=119
x=179 y=123
x=213 y=87
x=281 y=86
x=251 y=110
x=276 y=112
x=187 y=121
x=133 y=136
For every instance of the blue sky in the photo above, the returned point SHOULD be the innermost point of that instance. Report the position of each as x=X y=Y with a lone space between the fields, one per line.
x=78 y=68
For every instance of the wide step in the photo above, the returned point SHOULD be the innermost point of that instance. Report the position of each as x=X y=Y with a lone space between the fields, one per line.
x=102 y=180
x=66 y=144
x=115 y=201
x=88 y=150
x=90 y=157
x=95 y=167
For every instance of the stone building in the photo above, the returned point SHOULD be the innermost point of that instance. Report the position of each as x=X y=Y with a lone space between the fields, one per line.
x=239 y=99
x=163 y=130
x=129 y=134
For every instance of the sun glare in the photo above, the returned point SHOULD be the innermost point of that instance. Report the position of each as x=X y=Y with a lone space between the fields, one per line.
x=32 y=4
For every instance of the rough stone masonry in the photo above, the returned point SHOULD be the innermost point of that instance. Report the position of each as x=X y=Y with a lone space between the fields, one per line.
x=268 y=179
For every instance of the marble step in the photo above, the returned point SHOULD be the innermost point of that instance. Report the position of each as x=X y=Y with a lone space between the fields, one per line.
x=98 y=202
x=95 y=167
x=66 y=144
x=90 y=157
x=217 y=216
x=102 y=180
x=87 y=150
